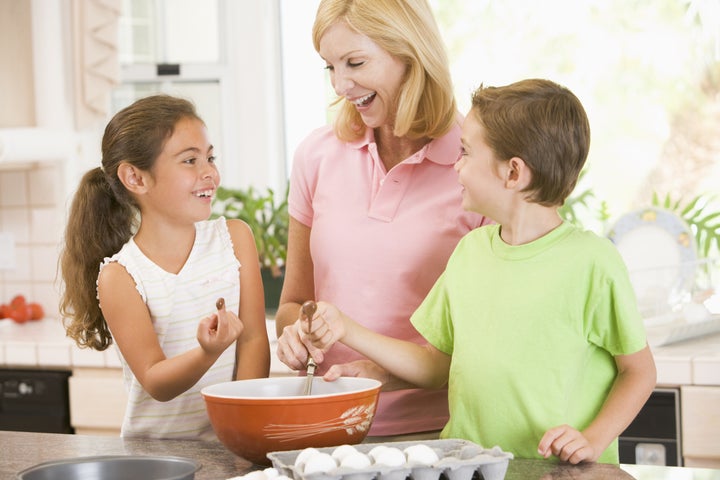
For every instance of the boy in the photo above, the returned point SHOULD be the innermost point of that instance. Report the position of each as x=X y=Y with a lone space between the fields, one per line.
x=533 y=324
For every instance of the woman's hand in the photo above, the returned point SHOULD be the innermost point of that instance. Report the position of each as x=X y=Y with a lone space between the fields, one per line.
x=216 y=332
x=291 y=350
x=306 y=338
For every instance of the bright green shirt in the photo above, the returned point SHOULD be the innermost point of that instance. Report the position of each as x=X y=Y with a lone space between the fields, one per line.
x=532 y=330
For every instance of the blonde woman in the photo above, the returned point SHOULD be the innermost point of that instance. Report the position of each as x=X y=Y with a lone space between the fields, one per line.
x=375 y=205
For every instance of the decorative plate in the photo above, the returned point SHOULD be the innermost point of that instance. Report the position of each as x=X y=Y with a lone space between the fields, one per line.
x=659 y=250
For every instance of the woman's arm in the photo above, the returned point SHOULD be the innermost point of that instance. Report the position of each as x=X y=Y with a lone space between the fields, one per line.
x=298 y=287
x=253 y=348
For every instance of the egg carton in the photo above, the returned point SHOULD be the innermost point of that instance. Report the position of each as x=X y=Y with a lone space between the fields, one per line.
x=457 y=460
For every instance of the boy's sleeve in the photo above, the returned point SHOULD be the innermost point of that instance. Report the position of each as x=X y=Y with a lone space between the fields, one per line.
x=616 y=324
x=432 y=318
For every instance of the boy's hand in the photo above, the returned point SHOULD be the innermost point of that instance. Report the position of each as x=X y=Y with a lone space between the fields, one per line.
x=324 y=330
x=568 y=444
x=216 y=332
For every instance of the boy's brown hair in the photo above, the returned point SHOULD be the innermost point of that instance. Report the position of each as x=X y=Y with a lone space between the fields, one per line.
x=542 y=123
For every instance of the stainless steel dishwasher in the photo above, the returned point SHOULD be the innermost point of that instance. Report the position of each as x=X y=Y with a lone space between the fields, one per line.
x=35 y=401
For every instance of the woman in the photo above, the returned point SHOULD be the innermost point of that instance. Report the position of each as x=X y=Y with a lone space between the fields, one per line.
x=375 y=204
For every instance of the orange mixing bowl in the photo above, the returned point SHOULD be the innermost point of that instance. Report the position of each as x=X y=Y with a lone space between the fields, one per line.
x=254 y=417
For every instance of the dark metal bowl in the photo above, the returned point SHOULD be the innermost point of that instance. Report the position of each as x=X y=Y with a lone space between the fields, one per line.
x=115 y=467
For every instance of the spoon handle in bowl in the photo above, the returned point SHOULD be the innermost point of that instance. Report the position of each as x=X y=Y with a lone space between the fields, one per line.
x=308 y=309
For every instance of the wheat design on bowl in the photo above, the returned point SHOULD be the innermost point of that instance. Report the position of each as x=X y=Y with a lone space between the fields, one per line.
x=352 y=421
x=254 y=417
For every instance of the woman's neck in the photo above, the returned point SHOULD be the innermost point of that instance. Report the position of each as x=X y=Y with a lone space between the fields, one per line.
x=393 y=150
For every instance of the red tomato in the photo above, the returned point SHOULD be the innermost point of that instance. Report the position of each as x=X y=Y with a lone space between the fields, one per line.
x=17 y=302
x=36 y=311
x=4 y=311
x=20 y=315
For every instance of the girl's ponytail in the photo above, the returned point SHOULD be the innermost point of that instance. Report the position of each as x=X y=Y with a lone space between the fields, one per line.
x=98 y=226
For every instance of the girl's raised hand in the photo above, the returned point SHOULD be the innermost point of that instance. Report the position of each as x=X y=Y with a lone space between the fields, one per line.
x=216 y=332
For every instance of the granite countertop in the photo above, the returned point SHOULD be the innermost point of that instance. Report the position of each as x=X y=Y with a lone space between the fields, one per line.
x=21 y=450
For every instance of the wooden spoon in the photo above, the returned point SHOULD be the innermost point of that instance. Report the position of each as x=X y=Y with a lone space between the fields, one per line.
x=308 y=309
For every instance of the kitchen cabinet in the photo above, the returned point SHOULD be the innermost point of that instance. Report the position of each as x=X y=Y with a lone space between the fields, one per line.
x=97 y=400
x=700 y=407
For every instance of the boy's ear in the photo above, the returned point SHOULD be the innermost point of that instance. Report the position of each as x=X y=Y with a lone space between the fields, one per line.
x=131 y=177
x=517 y=175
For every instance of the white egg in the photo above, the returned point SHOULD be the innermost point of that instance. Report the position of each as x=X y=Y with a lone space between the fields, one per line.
x=421 y=454
x=305 y=454
x=391 y=457
x=355 y=460
x=373 y=454
x=343 y=451
x=271 y=472
x=319 y=463
x=255 y=475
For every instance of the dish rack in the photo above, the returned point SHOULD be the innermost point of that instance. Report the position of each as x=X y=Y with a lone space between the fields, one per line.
x=690 y=309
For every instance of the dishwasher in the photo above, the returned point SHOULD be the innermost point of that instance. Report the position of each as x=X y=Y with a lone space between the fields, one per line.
x=35 y=401
x=653 y=438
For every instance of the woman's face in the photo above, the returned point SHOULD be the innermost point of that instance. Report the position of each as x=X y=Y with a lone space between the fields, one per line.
x=362 y=72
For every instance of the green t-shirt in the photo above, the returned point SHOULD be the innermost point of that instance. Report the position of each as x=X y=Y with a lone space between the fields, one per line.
x=532 y=330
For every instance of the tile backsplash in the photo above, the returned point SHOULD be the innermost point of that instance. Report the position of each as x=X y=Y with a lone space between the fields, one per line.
x=33 y=211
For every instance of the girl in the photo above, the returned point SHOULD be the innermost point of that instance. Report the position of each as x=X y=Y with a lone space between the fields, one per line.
x=142 y=219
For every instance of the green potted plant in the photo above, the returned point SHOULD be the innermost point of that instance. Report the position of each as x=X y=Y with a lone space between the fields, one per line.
x=267 y=215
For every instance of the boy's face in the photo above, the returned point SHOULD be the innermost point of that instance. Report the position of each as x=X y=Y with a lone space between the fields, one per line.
x=478 y=170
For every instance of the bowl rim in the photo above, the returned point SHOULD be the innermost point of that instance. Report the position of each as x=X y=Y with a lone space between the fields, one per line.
x=370 y=384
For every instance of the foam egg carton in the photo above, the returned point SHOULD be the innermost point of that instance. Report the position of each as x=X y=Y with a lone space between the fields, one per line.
x=456 y=460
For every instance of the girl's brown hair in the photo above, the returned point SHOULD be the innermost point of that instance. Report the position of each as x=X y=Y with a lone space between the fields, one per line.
x=103 y=215
x=542 y=123
x=407 y=30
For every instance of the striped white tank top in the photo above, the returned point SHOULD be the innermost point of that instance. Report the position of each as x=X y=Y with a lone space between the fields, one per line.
x=177 y=303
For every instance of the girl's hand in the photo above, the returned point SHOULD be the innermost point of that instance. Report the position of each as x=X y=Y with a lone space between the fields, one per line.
x=218 y=331
x=568 y=444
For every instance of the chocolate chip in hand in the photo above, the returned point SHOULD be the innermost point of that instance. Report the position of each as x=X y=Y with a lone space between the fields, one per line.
x=220 y=303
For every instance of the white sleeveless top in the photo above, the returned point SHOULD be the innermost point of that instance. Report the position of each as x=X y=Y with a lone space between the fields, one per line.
x=177 y=303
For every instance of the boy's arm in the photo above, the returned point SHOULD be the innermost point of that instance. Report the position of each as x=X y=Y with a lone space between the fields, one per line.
x=421 y=365
x=633 y=385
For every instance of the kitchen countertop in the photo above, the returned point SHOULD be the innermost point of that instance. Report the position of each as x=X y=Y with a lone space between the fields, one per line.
x=21 y=450
x=43 y=344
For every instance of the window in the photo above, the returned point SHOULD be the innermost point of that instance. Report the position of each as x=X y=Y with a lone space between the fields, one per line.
x=648 y=74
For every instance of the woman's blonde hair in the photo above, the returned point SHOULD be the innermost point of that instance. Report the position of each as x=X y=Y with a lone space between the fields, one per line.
x=407 y=30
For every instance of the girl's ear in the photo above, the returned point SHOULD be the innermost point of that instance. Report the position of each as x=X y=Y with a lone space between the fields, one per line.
x=517 y=174
x=131 y=178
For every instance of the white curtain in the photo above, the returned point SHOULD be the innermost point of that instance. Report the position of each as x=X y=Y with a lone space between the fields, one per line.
x=97 y=66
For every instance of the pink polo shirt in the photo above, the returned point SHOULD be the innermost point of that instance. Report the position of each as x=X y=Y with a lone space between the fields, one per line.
x=379 y=240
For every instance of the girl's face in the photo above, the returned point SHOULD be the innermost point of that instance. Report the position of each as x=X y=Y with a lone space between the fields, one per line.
x=362 y=72
x=184 y=178
x=479 y=171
